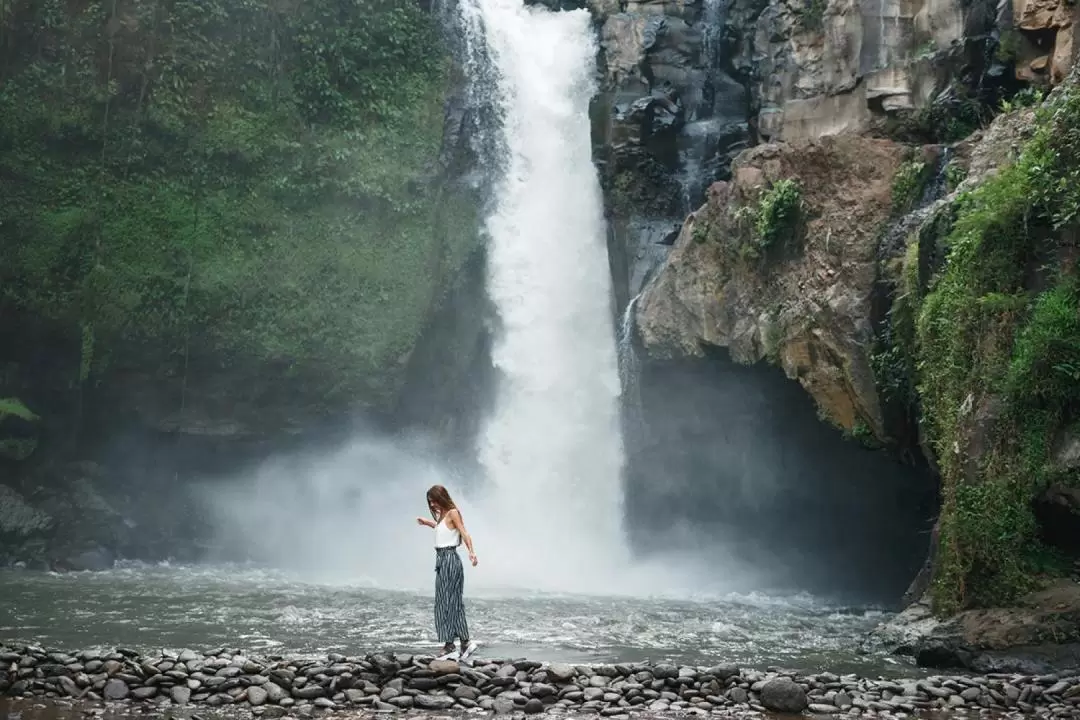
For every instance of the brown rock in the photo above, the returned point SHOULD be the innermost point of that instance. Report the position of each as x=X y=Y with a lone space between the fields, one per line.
x=811 y=316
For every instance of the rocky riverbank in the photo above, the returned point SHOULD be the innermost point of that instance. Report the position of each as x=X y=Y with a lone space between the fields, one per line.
x=275 y=687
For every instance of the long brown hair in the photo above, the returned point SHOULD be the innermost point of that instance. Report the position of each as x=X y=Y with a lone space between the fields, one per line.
x=439 y=498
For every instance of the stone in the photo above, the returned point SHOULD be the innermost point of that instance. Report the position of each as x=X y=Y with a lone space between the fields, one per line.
x=69 y=686
x=275 y=693
x=534 y=706
x=561 y=673
x=180 y=695
x=433 y=702
x=503 y=705
x=257 y=695
x=444 y=667
x=783 y=695
x=116 y=690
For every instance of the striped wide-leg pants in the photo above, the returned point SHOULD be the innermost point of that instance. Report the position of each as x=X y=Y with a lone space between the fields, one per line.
x=449 y=590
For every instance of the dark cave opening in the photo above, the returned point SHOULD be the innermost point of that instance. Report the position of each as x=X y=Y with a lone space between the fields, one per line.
x=737 y=459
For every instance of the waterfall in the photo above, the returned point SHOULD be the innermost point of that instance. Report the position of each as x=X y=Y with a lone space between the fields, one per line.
x=551 y=449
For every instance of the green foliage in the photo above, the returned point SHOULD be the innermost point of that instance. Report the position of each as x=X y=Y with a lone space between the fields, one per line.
x=246 y=178
x=778 y=212
x=811 y=15
x=954 y=175
x=908 y=185
x=1028 y=97
x=997 y=358
x=16 y=408
x=952 y=116
x=1009 y=45
x=16 y=448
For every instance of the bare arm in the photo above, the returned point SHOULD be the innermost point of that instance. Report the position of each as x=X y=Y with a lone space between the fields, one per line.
x=455 y=521
x=425 y=522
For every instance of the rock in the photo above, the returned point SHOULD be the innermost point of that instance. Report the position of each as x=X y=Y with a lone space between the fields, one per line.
x=783 y=695
x=503 y=705
x=144 y=693
x=69 y=686
x=116 y=690
x=723 y=672
x=444 y=667
x=180 y=695
x=256 y=695
x=308 y=692
x=533 y=707
x=664 y=672
x=466 y=692
x=274 y=692
x=823 y=709
x=561 y=673
x=433 y=702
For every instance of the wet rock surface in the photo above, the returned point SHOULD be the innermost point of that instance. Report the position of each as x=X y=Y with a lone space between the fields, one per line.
x=391 y=683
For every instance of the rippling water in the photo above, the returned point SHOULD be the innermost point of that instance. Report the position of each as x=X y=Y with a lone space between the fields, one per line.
x=154 y=607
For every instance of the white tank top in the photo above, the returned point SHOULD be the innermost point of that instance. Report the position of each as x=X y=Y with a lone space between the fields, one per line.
x=445 y=536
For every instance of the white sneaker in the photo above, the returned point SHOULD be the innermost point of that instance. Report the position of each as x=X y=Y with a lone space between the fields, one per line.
x=470 y=649
x=452 y=655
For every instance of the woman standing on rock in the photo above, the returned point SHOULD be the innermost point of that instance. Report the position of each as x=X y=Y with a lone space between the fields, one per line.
x=450 y=531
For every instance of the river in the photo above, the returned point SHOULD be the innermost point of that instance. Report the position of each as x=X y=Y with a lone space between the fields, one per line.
x=149 y=608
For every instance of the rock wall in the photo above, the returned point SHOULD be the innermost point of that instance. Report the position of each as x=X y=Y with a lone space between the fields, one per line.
x=884 y=276
x=809 y=308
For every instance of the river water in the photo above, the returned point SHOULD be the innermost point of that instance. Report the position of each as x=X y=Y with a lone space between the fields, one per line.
x=149 y=608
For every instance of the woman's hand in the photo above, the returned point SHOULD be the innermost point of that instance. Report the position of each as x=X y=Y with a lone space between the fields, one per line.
x=423 y=521
x=472 y=558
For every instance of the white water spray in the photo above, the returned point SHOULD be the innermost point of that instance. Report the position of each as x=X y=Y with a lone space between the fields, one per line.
x=552 y=449
x=547 y=515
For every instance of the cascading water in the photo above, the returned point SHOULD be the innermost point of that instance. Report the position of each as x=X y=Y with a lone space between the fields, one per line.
x=551 y=450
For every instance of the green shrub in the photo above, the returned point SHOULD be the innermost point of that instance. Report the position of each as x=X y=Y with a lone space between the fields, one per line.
x=998 y=356
x=778 y=213
x=908 y=185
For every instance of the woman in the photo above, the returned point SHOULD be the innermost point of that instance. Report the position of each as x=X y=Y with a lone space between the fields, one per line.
x=449 y=574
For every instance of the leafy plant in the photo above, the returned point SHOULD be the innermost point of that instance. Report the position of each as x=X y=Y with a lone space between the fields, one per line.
x=778 y=213
x=908 y=185
x=993 y=356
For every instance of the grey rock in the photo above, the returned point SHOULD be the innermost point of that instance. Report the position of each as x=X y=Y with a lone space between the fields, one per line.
x=274 y=692
x=599 y=681
x=144 y=693
x=180 y=695
x=354 y=695
x=534 y=706
x=324 y=703
x=257 y=695
x=69 y=686
x=389 y=693
x=116 y=690
x=402 y=701
x=783 y=695
x=664 y=672
x=308 y=692
x=434 y=702
x=503 y=705
x=823 y=709
x=561 y=672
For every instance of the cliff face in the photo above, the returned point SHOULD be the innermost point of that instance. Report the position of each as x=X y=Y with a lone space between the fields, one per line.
x=688 y=85
x=803 y=299
x=925 y=297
